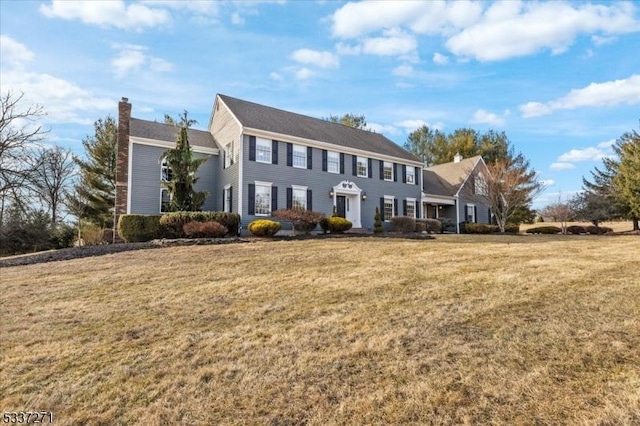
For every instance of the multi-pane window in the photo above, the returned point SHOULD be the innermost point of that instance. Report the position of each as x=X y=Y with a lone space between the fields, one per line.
x=411 y=207
x=299 y=156
x=228 y=155
x=388 y=208
x=362 y=167
x=471 y=213
x=387 y=170
x=165 y=201
x=299 y=198
x=481 y=185
x=410 y=175
x=333 y=162
x=227 y=199
x=263 y=150
x=165 y=171
x=263 y=200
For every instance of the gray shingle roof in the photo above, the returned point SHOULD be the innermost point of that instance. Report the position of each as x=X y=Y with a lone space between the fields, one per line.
x=446 y=179
x=433 y=185
x=261 y=117
x=165 y=132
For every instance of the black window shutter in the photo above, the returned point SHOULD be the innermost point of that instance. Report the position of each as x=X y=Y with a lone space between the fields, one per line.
x=252 y=148
x=274 y=198
x=231 y=198
x=341 y=163
x=395 y=172
x=309 y=200
x=418 y=215
x=252 y=199
x=224 y=159
x=404 y=207
x=404 y=174
x=289 y=198
x=274 y=152
x=324 y=160
x=417 y=177
x=224 y=201
x=395 y=207
x=381 y=208
x=354 y=163
x=475 y=214
x=309 y=158
x=381 y=169
x=289 y=155
x=370 y=167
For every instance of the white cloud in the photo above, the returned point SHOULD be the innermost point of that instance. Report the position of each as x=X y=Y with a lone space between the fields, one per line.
x=548 y=182
x=609 y=93
x=586 y=154
x=485 y=117
x=132 y=58
x=347 y=50
x=383 y=128
x=14 y=53
x=562 y=166
x=513 y=29
x=411 y=125
x=440 y=59
x=275 y=76
x=304 y=74
x=236 y=19
x=404 y=70
x=314 y=57
x=393 y=43
x=601 y=41
x=356 y=19
x=607 y=144
x=134 y=16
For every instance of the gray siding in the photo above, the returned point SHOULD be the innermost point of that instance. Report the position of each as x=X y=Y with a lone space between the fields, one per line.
x=145 y=179
x=320 y=183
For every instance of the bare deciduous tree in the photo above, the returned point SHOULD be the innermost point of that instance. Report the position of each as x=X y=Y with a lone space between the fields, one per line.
x=559 y=212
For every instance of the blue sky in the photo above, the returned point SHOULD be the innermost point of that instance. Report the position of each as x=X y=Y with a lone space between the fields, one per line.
x=562 y=79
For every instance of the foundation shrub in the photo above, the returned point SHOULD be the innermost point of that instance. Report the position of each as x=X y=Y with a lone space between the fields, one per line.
x=210 y=229
x=264 y=228
x=138 y=228
x=303 y=221
x=576 y=229
x=172 y=224
x=421 y=226
x=403 y=224
x=480 y=228
x=511 y=228
x=338 y=225
x=544 y=230
x=378 y=228
x=598 y=230
x=433 y=226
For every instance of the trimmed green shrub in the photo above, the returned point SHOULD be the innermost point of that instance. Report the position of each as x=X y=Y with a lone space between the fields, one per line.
x=211 y=229
x=324 y=224
x=403 y=224
x=544 y=230
x=63 y=236
x=264 y=227
x=598 y=230
x=511 y=228
x=576 y=229
x=137 y=227
x=172 y=224
x=304 y=221
x=448 y=225
x=377 y=223
x=337 y=225
x=480 y=228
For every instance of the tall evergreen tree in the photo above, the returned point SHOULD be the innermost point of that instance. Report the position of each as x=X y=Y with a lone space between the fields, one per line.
x=183 y=171
x=94 y=196
x=627 y=180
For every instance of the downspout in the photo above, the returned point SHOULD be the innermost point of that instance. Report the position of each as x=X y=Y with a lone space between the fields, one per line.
x=457 y=215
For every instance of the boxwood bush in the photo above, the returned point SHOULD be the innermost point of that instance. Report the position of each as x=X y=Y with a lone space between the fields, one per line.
x=337 y=225
x=264 y=227
x=211 y=229
x=597 y=230
x=138 y=227
x=544 y=230
x=172 y=224
x=576 y=229
x=403 y=224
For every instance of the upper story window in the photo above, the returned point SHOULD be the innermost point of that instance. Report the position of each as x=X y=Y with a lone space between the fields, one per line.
x=387 y=170
x=333 y=162
x=263 y=150
x=362 y=167
x=299 y=156
x=410 y=175
x=481 y=185
x=166 y=174
x=228 y=155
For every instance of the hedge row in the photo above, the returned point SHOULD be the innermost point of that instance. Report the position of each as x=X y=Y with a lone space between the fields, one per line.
x=573 y=229
x=485 y=228
x=406 y=225
x=138 y=228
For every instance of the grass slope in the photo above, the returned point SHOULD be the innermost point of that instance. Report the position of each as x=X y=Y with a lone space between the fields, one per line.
x=458 y=330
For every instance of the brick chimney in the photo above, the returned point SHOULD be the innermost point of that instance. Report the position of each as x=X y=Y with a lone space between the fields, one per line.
x=122 y=164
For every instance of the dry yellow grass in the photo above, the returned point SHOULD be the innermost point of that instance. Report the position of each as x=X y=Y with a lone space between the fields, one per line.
x=617 y=226
x=459 y=330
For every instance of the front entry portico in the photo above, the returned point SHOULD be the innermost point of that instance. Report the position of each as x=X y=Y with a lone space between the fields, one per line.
x=347 y=198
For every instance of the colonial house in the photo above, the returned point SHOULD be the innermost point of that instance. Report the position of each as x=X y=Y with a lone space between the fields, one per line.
x=261 y=159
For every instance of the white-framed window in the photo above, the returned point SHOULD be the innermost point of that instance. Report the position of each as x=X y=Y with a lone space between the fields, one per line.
x=299 y=156
x=299 y=197
x=411 y=207
x=263 y=150
x=388 y=208
x=480 y=185
x=165 y=171
x=333 y=162
x=228 y=155
x=362 y=165
x=227 y=199
x=410 y=175
x=387 y=171
x=165 y=200
x=263 y=199
x=471 y=213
